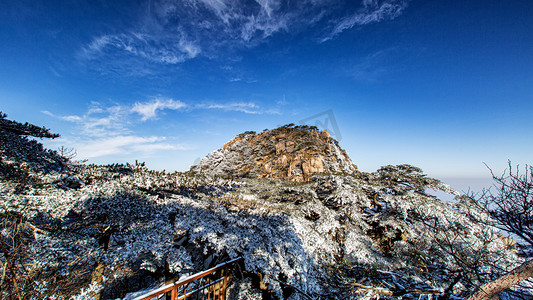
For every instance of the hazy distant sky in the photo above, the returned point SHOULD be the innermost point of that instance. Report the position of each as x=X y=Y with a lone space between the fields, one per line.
x=443 y=85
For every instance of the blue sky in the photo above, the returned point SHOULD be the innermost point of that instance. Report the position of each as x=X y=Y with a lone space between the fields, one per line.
x=443 y=85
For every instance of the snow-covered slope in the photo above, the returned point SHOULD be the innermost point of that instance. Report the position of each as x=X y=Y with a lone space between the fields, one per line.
x=336 y=234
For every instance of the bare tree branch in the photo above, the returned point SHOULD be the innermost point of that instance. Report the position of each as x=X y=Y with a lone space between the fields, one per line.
x=491 y=289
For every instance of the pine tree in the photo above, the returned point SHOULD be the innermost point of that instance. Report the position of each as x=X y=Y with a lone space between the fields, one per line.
x=21 y=154
x=25 y=129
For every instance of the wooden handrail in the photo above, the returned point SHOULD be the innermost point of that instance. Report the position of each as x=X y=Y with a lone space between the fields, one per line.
x=174 y=287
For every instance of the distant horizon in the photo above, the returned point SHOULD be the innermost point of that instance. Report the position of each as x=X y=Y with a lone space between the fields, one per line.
x=446 y=86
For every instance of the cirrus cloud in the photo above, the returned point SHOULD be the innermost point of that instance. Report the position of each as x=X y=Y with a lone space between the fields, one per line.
x=373 y=11
x=148 y=110
x=116 y=120
x=172 y=32
x=123 y=144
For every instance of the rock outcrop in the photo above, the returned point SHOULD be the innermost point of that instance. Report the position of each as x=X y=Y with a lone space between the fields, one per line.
x=293 y=153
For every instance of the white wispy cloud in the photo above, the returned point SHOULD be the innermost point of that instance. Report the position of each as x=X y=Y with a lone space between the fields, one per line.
x=148 y=110
x=155 y=47
x=243 y=107
x=116 y=120
x=218 y=7
x=373 y=67
x=110 y=130
x=373 y=11
x=72 y=118
x=99 y=121
x=172 y=32
x=378 y=66
x=105 y=131
x=122 y=145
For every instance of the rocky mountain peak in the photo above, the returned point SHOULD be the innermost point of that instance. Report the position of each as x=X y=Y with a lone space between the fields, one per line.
x=293 y=153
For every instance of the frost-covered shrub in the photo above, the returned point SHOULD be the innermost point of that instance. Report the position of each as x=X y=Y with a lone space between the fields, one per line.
x=119 y=228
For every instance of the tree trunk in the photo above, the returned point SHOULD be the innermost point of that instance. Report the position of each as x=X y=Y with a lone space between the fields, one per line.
x=490 y=290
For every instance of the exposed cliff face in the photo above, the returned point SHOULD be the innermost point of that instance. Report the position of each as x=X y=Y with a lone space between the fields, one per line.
x=289 y=153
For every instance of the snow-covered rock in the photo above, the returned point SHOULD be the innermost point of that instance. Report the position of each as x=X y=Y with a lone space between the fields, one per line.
x=290 y=153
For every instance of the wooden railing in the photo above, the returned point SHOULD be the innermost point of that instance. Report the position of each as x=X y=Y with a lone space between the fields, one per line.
x=208 y=284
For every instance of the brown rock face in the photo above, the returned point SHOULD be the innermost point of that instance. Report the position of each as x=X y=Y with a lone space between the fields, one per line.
x=289 y=153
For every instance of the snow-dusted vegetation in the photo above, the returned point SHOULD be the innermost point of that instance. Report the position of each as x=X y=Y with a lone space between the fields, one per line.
x=87 y=231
